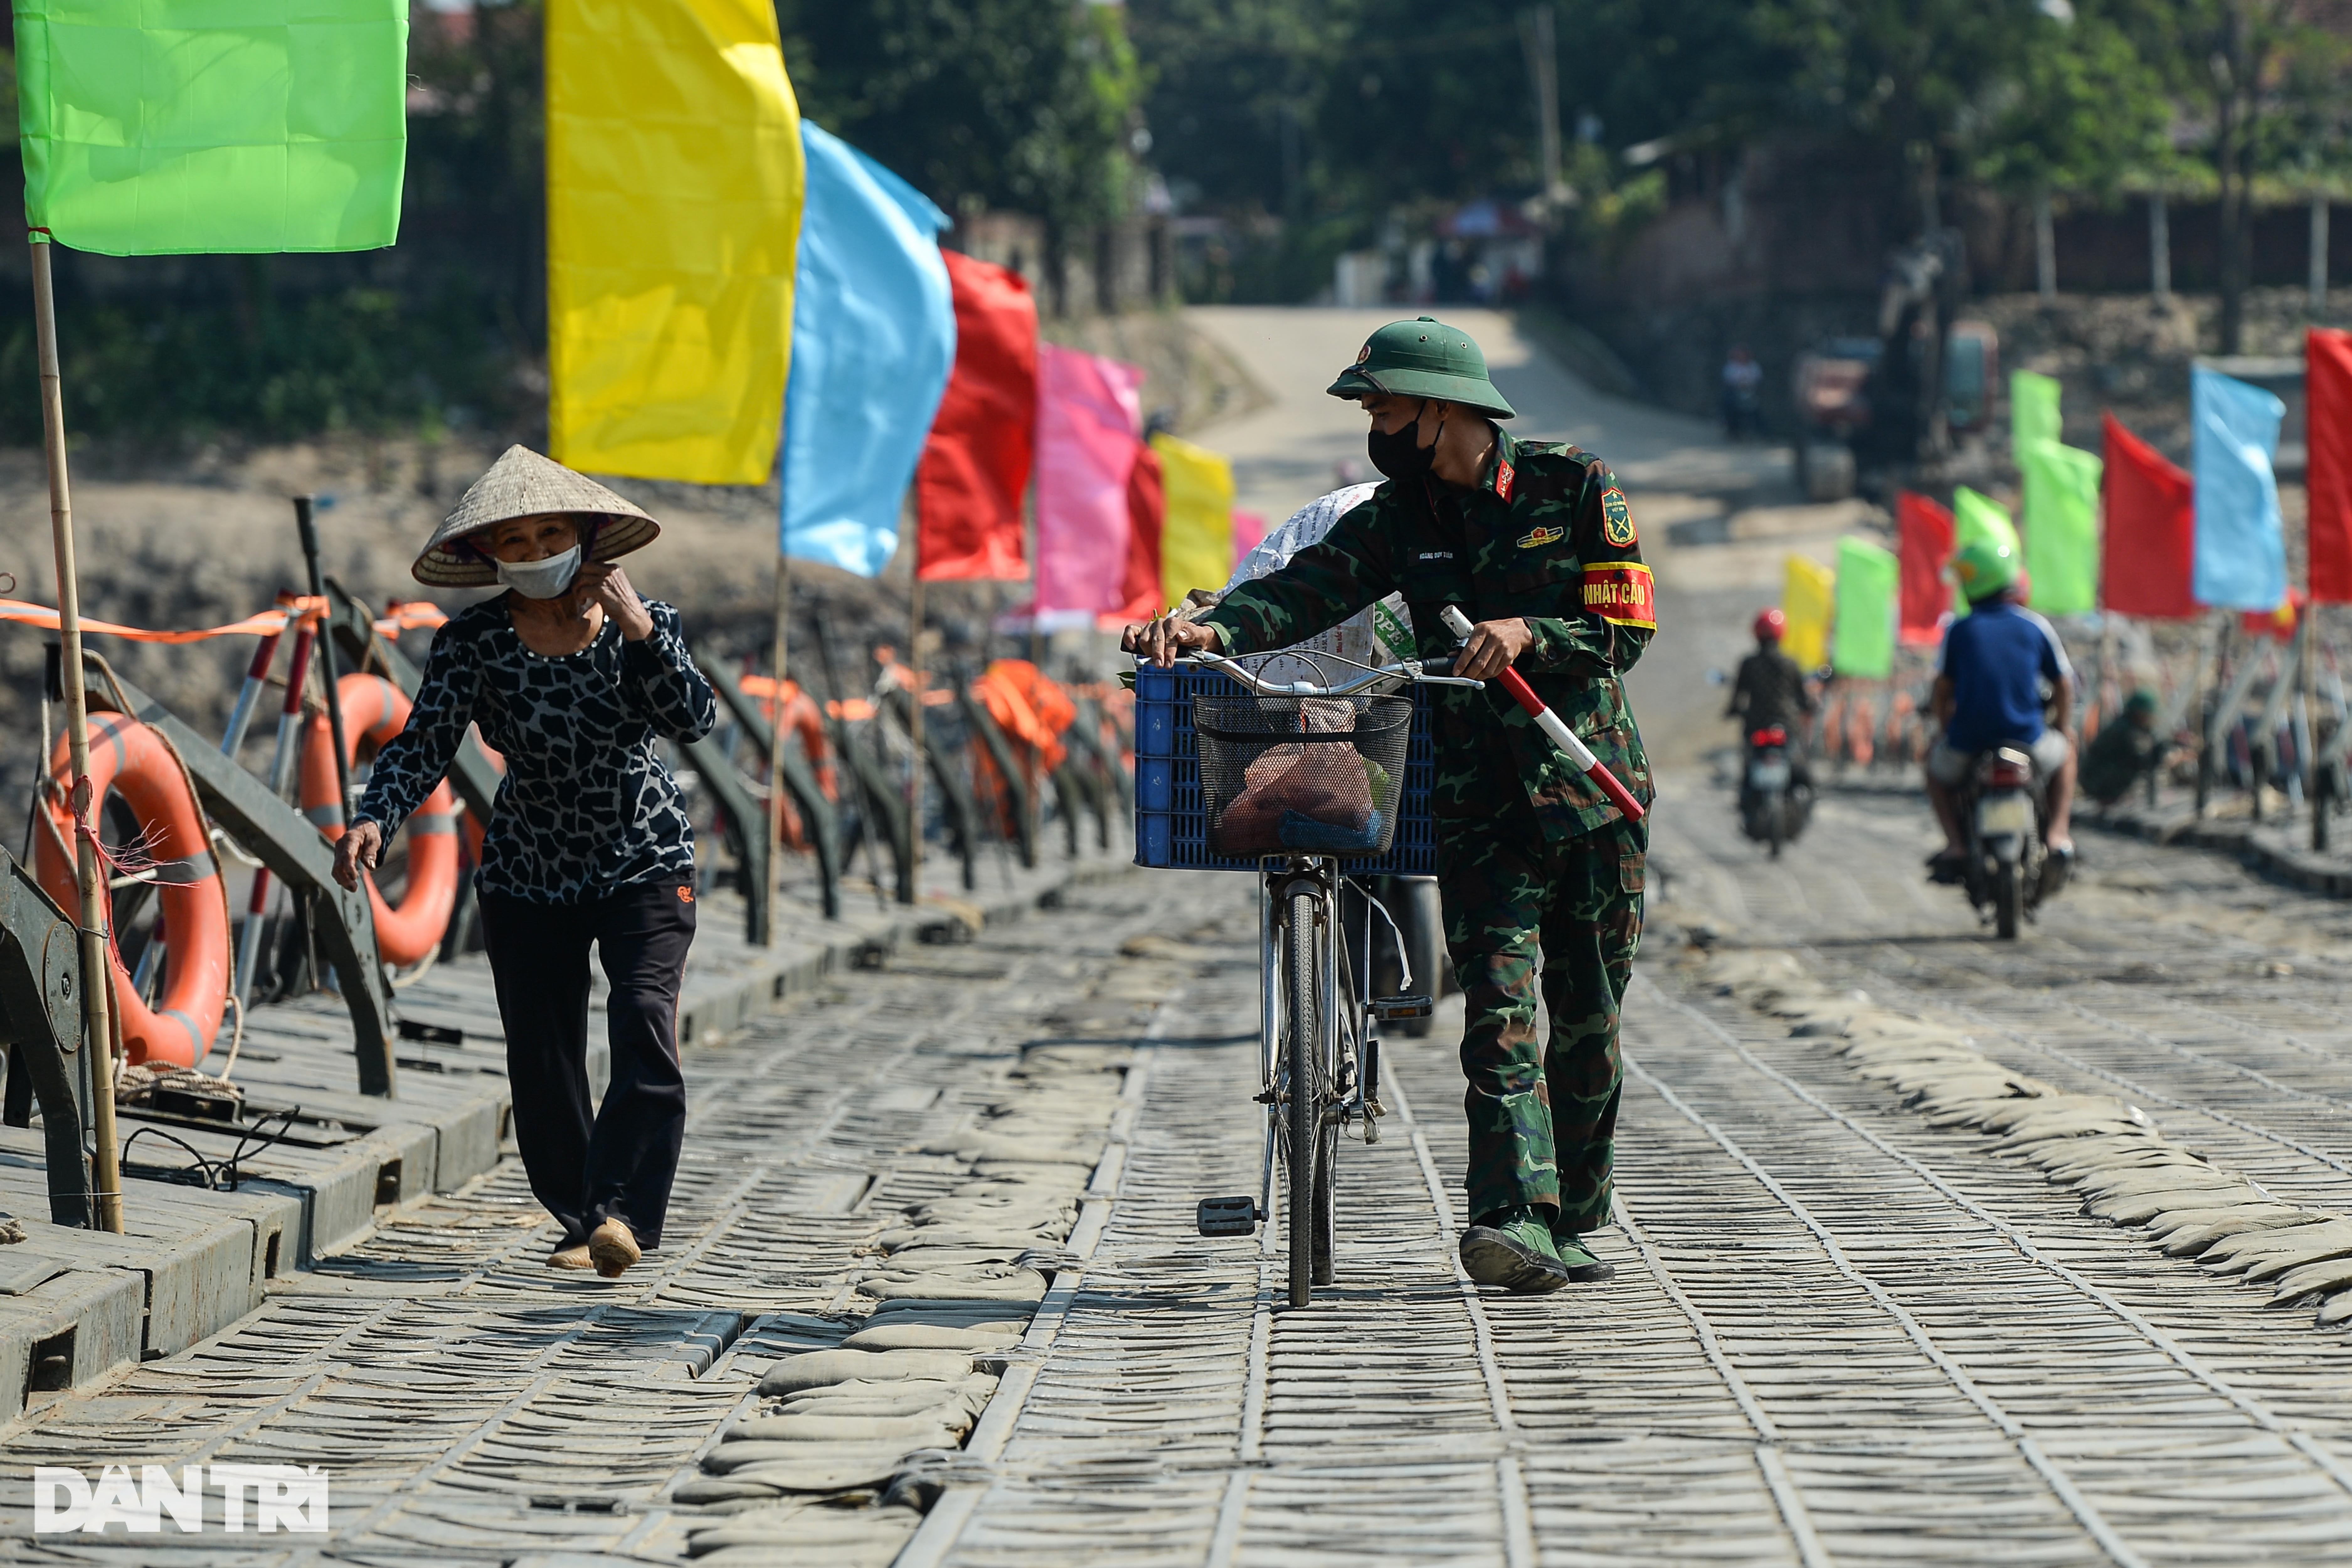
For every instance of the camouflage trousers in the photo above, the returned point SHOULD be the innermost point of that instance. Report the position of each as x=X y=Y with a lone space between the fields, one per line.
x=1543 y=1122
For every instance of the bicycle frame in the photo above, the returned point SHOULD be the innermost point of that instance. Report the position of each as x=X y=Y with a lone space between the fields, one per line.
x=1309 y=1095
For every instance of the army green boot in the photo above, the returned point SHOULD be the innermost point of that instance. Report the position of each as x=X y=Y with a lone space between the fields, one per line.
x=1513 y=1249
x=1583 y=1267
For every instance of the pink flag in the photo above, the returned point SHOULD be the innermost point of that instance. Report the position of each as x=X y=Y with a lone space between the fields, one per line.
x=1090 y=419
x=1249 y=528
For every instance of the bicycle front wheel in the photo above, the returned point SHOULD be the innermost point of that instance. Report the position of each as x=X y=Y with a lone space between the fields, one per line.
x=1307 y=1194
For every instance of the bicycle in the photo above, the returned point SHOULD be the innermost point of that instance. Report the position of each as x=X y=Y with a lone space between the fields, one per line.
x=1318 y=1022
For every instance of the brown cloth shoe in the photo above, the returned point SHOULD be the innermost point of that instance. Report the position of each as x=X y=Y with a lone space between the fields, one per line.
x=614 y=1248
x=572 y=1257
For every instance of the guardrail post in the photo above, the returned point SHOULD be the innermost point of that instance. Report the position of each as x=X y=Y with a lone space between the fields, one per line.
x=40 y=1014
x=289 y=844
x=743 y=814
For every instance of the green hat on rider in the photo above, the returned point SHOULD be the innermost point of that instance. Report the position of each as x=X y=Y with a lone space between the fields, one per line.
x=1424 y=359
x=1984 y=567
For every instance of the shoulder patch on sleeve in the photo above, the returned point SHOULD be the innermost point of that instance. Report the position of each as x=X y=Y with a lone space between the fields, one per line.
x=1622 y=594
x=1616 y=518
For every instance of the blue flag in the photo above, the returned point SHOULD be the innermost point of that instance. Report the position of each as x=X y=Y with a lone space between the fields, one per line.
x=873 y=340
x=2241 y=541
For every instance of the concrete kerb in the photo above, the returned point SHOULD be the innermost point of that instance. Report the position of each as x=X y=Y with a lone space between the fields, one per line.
x=196 y=1260
x=2269 y=851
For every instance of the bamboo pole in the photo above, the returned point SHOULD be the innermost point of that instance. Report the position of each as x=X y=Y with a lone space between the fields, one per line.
x=915 y=727
x=95 y=980
x=776 y=665
x=2208 y=667
x=2307 y=744
x=330 y=668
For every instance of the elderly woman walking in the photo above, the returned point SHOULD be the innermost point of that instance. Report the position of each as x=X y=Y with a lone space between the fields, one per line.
x=573 y=678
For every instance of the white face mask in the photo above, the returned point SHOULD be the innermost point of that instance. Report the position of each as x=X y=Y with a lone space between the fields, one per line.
x=542 y=579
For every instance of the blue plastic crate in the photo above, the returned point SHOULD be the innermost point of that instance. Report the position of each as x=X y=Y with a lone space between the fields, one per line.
x=1172 y=821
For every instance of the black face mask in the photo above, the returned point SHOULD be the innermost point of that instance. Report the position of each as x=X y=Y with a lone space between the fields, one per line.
x=1400 y=454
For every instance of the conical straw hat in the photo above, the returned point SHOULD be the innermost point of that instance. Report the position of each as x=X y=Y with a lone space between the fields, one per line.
x=521 y=483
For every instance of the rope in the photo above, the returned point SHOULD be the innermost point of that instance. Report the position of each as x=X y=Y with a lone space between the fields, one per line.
x=236 y=1039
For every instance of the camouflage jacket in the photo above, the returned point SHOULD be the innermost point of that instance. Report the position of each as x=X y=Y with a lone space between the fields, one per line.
x=1545 y=535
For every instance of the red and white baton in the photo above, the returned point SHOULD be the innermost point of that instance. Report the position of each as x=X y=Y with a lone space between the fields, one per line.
x=1551 y=724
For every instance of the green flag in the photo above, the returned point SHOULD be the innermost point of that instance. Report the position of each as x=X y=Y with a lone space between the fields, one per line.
x=167 y=127
x=2061 y=527
x=1867 y=577
x=1976 y=516
x=2033 y=411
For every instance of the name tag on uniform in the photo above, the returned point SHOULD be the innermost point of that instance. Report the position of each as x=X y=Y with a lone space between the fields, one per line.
x=1534 y=538
x=1622 y=594
x=1434 y=556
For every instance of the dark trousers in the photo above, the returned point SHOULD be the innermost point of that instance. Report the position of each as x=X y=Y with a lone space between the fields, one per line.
x=620 y=1164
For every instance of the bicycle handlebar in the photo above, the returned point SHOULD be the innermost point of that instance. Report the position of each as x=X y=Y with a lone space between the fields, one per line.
x=1420 y=672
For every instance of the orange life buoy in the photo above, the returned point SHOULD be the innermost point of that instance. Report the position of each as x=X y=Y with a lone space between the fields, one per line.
x=374 y=709
x=128 y=757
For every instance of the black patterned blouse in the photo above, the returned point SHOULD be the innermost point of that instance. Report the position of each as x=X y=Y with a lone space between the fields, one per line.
x=586 y=805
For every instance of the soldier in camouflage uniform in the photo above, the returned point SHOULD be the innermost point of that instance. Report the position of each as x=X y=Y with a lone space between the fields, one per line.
x=1534 y=542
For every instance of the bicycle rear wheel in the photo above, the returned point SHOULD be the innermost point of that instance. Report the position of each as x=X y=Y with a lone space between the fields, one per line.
x=1307 y=1193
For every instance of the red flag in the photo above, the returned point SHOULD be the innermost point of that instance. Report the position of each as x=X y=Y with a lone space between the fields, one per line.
x=2328 y=422
x=2150 y=541
x=1147 y=516
x=976 y=464
x=1924 y=534
x=2277 y=625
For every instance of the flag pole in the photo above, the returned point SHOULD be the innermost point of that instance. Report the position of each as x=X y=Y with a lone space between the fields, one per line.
x=2211 y=647
x=2307 y=744
x=95 y=980
x=771 y=892
x=914 y=720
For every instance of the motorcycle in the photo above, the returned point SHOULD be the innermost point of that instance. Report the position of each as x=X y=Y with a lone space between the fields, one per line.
x=2009 y=869
x=1774 y=802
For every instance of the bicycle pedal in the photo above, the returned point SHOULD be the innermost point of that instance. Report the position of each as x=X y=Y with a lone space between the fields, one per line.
x=1411 y=1005
x=1227 y=1217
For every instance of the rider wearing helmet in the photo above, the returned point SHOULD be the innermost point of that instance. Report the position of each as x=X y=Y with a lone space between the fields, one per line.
x=1769 y=691
x=1535 y=543
x=1997 y=661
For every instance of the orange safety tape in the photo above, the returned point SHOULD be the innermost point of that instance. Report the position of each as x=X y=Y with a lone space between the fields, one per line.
x=399 y=617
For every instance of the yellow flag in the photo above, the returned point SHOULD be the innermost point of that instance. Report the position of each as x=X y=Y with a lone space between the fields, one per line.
x=673 y=182
x=1807 y=597
x=1196 y=546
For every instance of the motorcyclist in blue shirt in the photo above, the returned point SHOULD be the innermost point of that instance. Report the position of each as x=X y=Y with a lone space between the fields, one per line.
x=1997 y=662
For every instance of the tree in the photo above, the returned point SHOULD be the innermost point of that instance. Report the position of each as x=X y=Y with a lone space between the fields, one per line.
x=1909 y=78
x=2084 y=111
x=1025 y=104
x=2262 y=80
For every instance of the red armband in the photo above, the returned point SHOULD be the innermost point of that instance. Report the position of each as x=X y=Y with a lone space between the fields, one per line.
x=1622 y=594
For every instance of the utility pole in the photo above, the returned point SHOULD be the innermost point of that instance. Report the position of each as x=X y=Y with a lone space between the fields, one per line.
x=1540 y=43
x=2319 y=250
x=2046 y=248
x=2159 y=249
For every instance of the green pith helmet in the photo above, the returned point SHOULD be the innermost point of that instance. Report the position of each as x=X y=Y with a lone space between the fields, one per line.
x=1424 y=359
x=1983 y=567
